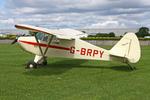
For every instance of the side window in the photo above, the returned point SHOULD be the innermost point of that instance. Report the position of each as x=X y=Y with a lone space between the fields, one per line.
x=39 y=35
x=45 y=38
x=56 y=40
x=42 y=36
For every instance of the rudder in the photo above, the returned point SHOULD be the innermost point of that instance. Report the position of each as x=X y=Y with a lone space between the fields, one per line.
x=128 y=47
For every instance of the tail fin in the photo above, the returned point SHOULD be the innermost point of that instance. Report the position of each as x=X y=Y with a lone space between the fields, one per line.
x=128 y=47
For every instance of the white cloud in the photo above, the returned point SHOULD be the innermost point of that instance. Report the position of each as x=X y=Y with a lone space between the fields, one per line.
x=145 y=2
x=7 y=21
x=77 y=13
x=24 y=10
x=108 y=24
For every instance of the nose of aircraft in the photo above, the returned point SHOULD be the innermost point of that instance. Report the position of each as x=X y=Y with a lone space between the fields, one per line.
x=20 y=39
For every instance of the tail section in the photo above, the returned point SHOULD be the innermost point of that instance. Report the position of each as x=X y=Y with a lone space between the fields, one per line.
x=128 y=48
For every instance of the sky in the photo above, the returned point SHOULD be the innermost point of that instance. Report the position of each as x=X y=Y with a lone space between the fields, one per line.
x=75 y=13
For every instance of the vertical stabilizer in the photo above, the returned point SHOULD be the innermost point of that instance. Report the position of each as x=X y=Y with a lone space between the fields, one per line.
x=128 y=47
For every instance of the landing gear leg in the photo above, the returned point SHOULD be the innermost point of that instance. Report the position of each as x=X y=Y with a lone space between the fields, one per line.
x=38 y=60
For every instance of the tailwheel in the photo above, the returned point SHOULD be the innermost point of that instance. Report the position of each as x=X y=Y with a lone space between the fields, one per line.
x=31 y=64
x=131 y=67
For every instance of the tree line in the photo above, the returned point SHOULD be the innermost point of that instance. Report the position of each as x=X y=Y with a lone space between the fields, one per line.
x=111 y=34
x=142 y=32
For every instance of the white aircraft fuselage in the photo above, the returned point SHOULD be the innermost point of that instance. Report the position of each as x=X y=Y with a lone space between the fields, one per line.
x=76 y=48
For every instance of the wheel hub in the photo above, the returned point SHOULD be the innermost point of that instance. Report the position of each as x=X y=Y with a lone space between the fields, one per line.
x=31 y=66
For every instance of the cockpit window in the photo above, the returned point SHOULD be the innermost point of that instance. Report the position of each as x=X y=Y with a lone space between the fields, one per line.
x=39 y=35
x=42 y=36
x=45 y=38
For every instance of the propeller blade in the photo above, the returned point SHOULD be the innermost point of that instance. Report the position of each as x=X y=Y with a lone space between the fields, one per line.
x=13 y=42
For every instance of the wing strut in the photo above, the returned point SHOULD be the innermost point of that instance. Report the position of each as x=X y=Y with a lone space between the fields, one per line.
x=48 y=44
x=43 y=53
x=39 y=45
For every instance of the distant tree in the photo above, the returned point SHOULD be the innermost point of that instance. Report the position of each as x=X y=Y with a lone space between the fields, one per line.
x=91 y=35
x=11 y=36
x=125 y=33
x=120 y=36
x=143 y=31
x=101 y=35
x=84 y=31
x=31 y=33
x=111 y=34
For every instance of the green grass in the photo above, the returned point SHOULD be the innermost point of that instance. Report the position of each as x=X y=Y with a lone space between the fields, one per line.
x=67 y=79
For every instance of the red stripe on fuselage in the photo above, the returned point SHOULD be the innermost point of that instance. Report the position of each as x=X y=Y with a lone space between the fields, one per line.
x=45 y=45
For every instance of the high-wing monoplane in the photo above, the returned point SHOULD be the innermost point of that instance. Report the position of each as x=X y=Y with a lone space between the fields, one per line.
x=67 y=43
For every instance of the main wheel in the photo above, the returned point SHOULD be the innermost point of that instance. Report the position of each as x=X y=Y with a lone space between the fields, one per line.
x=31 y=64
x=44 y=62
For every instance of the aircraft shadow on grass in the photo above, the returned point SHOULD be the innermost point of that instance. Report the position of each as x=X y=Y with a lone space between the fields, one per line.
x=62 y=66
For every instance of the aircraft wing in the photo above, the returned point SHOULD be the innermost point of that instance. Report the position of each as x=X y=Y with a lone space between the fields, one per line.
x=68 y=34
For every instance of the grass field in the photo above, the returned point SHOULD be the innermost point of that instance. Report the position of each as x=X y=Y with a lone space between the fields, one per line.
x=67 y=79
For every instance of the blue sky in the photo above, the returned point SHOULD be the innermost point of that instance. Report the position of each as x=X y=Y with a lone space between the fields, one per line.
x=1 y=3
x=75 y=13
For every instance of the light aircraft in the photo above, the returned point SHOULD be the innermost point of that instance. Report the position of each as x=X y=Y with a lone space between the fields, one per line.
x=67 y=43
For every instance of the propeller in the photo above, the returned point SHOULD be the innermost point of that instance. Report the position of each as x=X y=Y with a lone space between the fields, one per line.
x=15 y=40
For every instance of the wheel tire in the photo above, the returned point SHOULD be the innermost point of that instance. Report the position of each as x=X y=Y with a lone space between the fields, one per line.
x=44 y=63
x=31 y=64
